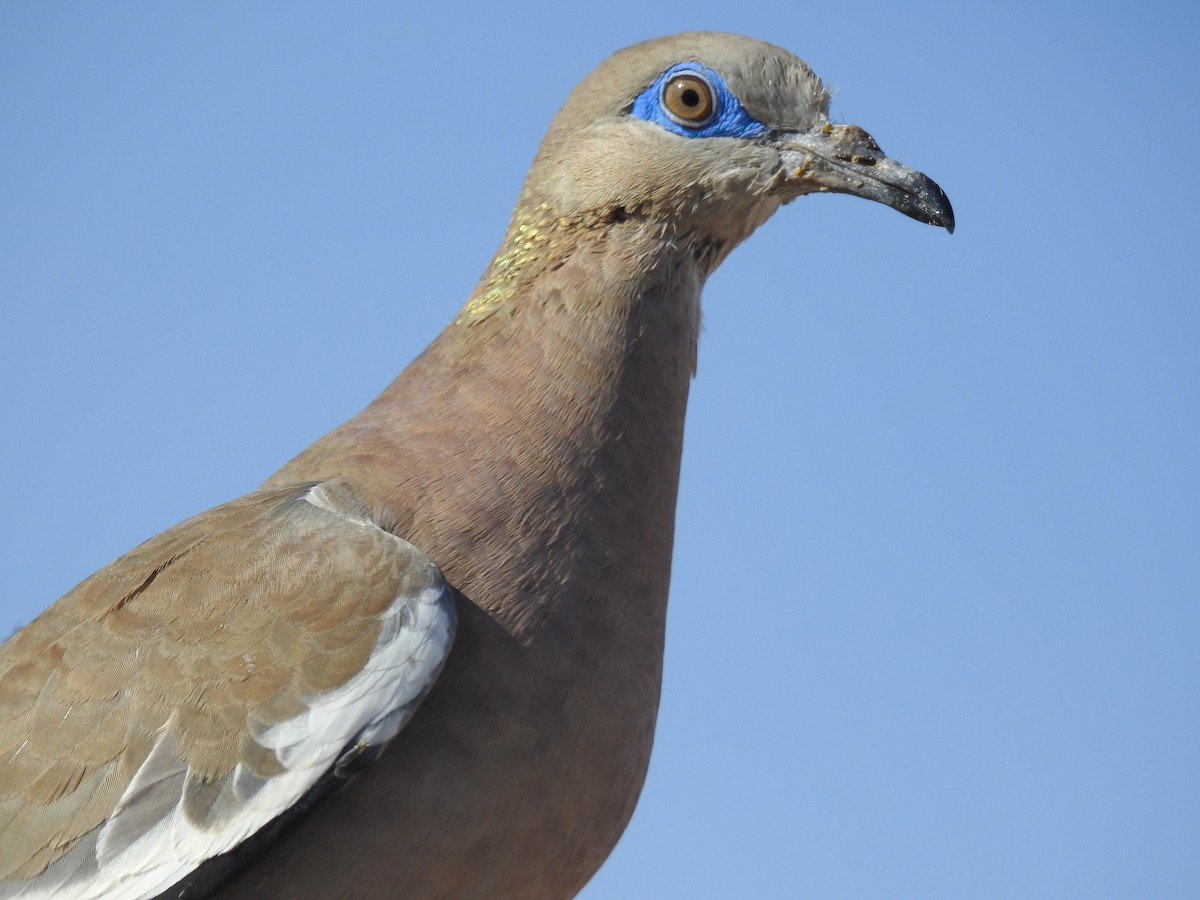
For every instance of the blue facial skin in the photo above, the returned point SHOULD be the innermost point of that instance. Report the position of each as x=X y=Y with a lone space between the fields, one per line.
x=728 y=119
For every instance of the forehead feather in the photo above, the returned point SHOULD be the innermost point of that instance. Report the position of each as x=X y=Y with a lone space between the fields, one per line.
x=775 y=87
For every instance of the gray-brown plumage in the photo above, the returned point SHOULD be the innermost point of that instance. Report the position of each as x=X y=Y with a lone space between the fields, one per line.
x=188 y=719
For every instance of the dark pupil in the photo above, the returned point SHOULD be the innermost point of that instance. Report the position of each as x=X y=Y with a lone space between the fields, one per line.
x=690 y=97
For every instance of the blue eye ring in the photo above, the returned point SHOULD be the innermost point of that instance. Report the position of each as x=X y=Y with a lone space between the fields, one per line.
x=724 y=116
x=688 y=99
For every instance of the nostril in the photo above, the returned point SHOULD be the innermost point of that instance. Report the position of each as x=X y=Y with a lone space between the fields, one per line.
x=866 y=140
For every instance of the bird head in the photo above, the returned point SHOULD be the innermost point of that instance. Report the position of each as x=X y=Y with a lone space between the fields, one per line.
x=678 y=148
x=712 y=132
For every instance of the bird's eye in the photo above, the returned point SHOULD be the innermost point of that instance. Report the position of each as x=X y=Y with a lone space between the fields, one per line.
x=691 y=100
x=688 y=100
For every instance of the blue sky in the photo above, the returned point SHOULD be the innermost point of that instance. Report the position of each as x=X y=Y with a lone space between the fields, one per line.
x=958 y=654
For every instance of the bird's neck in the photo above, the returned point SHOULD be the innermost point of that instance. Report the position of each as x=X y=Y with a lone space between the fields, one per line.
x=546 y=418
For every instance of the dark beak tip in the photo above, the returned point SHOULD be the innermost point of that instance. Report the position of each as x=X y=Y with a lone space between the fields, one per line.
x=943 y=212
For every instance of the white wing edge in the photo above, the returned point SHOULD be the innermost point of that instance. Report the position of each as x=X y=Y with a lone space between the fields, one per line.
x=371 y=708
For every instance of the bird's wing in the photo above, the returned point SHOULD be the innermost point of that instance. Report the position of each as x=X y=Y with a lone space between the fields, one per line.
x=188 y=694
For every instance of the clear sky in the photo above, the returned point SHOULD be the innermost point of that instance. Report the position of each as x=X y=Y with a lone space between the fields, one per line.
x=935 y=617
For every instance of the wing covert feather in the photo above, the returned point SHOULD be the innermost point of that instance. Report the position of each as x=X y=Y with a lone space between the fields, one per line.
x=188 y=693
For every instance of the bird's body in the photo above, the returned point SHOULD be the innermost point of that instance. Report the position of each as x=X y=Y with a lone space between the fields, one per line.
x=531 y=456
x=552 y=710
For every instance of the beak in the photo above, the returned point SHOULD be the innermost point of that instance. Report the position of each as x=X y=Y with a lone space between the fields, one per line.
x=844 y=159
